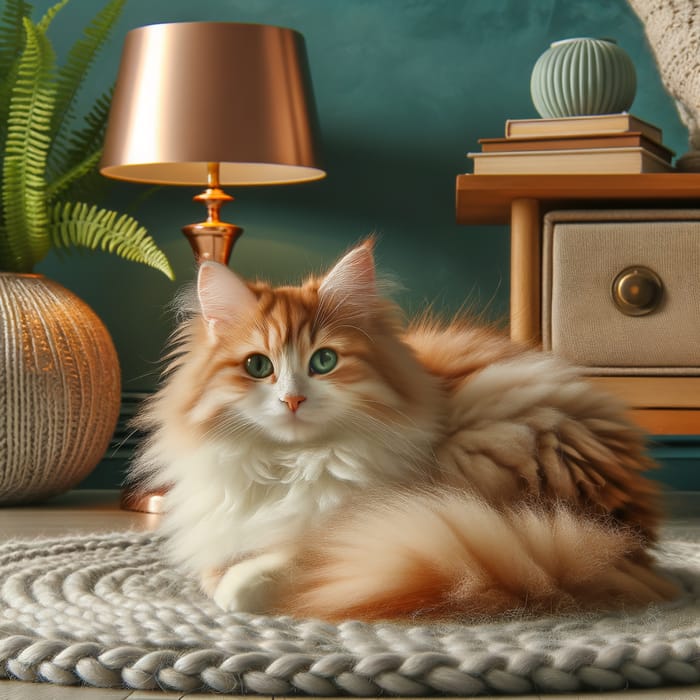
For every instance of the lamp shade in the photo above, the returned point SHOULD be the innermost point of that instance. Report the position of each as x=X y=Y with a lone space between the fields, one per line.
x=193 y=93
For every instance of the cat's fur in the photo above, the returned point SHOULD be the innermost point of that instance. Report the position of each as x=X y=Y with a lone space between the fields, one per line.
x=438 y=470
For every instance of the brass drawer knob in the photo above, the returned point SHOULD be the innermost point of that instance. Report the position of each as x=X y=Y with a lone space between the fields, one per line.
x=637 y=291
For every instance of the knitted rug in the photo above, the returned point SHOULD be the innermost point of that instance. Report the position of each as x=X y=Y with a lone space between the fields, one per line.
x=108 y=611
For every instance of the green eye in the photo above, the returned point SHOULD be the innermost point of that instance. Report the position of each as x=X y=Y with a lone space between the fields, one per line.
x=323 y=361
x=258 y=366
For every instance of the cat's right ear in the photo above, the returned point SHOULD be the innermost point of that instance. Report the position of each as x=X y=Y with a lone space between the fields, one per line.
x=353 y=276
x=223 y=296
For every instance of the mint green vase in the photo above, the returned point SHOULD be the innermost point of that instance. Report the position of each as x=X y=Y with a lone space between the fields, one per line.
x=584 y=76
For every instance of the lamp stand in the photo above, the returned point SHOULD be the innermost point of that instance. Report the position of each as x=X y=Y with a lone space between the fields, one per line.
x=212 y=239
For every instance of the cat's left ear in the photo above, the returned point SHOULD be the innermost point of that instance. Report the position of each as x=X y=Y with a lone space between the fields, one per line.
x=353 y=276
x=223 y=296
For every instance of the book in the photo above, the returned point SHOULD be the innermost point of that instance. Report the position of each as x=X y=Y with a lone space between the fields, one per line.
x=575 y=126
x=569 y=162
x=550 y=143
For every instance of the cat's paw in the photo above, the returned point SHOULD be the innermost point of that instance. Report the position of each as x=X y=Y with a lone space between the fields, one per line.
x=237 y=593
x=250 y=586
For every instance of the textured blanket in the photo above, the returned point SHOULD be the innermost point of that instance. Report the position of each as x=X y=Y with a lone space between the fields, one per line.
x=108 y=611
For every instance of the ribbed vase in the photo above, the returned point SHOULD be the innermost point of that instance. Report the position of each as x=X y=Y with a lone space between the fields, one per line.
x=577 y=77
x=60 y=388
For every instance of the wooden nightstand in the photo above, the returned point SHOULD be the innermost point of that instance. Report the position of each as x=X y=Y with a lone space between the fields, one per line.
x=661 y=405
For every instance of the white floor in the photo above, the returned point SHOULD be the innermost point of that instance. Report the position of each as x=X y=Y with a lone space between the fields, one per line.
x=98 y=511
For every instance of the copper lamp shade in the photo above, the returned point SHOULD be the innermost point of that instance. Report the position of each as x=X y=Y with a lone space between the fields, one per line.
x=210 y=103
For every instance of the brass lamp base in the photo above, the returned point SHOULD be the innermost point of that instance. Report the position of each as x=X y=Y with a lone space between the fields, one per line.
x=142 y=500
x=212 y=241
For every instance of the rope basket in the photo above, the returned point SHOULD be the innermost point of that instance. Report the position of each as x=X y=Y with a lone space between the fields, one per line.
x=59 y=388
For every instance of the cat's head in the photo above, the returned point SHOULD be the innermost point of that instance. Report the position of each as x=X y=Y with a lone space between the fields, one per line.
x=296 y=364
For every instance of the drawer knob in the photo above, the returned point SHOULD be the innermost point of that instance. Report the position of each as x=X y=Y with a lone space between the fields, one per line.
x=637 y=291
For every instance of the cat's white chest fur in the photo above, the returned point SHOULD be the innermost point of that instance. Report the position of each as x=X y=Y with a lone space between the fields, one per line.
x=227 y=501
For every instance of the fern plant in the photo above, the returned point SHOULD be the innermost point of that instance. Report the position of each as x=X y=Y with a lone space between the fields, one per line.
x=49 y=165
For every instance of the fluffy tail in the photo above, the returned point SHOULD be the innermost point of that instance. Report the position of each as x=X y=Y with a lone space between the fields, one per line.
x=451 y=556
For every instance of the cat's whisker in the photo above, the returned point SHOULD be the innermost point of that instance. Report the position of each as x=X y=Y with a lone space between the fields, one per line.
x=127 y=437
x=229 y=427
x=379 y=431
x=405 y=416
x=358 y=329
x=338 y=326
x=393 y=409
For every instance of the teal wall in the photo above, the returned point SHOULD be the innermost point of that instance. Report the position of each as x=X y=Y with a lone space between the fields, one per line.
x=404 y=89
x=679 y=460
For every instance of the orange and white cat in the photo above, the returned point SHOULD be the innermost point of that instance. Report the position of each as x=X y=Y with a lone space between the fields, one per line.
x=322 y=458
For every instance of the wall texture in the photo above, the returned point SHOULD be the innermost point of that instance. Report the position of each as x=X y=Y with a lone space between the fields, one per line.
x=404 y=89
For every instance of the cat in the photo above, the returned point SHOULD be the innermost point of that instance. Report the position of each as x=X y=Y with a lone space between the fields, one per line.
x=324 y=458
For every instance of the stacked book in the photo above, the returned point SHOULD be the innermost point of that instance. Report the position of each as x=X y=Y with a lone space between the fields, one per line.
x=607 y=143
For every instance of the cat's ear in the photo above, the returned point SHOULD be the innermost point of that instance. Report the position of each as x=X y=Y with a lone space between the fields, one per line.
x=353 y=276
x=223 y=295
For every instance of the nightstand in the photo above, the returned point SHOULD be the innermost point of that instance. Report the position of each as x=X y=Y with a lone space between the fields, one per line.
x=660 y=404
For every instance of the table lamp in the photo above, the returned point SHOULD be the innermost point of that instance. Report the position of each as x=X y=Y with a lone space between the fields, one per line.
x=211 y=104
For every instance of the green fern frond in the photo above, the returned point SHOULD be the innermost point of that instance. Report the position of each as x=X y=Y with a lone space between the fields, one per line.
x=80 y=170
x=67 y=154
x=45 y=22
x=12 y=33
x=71 y=74
x=13 y=257
x=45 y=156
x=26 y=150
x=11 y=44
x=16 y=250
x=79 y=224
x=5 y=250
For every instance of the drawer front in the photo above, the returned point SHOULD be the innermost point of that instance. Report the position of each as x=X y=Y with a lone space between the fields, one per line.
x=621 y=290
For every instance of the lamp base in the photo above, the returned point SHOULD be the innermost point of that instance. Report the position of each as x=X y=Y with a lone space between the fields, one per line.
x=142 y=500
x=212 y=241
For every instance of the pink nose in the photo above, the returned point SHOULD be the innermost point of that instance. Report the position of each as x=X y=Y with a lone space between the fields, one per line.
x=293 y=402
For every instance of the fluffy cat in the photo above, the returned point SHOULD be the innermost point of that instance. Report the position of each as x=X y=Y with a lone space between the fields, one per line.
x=322 y=458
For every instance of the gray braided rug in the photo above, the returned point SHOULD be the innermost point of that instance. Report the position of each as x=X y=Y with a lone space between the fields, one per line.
x=107 y=611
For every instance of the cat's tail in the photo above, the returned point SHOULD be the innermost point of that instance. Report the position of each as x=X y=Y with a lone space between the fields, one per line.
x=450 y=555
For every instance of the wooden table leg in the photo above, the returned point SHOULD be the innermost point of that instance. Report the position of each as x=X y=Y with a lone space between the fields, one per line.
x=525 y=292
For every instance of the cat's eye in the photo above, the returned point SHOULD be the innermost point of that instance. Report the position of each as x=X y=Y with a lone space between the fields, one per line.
x=258 y=366
x=323 y=361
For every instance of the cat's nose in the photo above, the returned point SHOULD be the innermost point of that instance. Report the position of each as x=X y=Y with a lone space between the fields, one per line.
x=293 y=402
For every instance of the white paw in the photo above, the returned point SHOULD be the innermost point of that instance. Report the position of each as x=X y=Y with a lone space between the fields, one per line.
x=250 y=585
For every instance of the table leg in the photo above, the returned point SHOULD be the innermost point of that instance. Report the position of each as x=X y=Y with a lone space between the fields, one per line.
x=525 y=292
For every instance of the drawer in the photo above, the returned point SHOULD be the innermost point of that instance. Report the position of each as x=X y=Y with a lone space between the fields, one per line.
x=621 y=290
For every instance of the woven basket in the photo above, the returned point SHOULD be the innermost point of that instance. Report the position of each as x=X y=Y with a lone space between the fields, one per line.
x=59 y=388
